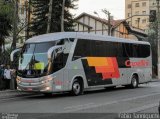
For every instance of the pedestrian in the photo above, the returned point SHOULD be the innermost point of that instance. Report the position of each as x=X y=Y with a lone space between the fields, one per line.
x=7 y=76
x=2 y=82
x=13 y=78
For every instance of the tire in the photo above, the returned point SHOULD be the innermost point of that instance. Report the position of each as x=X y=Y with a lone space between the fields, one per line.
x=47 y=94
x=110 y=88
x=77 y=88
x=134 y=82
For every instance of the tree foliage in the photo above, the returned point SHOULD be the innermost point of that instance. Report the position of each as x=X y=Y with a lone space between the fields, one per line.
x=152 y=38
x=40 y=16
x=5 y=22
x=6 y=11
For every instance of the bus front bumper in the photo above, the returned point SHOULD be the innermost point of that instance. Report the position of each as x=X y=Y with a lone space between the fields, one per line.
x=36 y=88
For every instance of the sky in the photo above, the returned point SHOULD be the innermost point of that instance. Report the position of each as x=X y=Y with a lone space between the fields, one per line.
x=115 y=7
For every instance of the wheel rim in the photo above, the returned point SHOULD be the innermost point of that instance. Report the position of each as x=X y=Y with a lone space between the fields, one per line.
x=134 y=82
x=76 y=88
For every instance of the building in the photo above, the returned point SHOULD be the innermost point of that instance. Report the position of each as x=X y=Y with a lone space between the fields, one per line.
x=141 y=8
x=92 y=24
x=22 y=14
x=119 y=28
x=25 y=16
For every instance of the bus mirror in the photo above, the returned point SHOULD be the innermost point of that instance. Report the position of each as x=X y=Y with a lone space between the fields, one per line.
x=50 y=51
x=13 y=53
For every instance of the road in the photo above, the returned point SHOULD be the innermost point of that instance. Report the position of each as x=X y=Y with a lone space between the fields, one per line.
x=144 y=99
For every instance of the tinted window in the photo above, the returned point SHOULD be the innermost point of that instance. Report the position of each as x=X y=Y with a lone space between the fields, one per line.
x=86 y=48
x=144 y=51
x=43 y=47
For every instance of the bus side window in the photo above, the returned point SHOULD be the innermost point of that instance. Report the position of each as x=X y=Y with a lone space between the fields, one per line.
x=135 y=50
x=128 y=50
x=119 y=50
x=82 y=49
x=143 y=51
x=124 y=50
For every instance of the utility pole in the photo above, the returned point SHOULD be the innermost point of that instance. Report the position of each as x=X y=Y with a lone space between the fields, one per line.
x=62 y=16
x=28 y=18
x=15 y=24
x=109 y=20
x=50 y=16
x=158 y=37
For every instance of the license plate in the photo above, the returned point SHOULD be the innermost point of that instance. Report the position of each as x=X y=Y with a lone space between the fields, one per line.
x=29 y=89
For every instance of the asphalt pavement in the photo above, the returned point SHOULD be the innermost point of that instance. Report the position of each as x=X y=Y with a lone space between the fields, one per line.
x=94 y=104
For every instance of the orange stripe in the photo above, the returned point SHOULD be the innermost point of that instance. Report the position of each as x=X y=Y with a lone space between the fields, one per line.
x=110 y=62
x=97 y=61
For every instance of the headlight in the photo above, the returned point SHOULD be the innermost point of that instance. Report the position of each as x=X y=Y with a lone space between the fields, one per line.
x=18 y=79
x=49 y=78
x=43 y=81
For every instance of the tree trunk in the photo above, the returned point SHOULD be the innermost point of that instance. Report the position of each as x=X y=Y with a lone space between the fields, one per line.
x=15 y=24
x=49 y=16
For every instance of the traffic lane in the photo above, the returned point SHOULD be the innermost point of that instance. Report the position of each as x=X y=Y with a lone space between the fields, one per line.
x=60 y=116
x=92 y=100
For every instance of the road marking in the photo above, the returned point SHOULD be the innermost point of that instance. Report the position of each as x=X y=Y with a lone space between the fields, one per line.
x=75 y=108
x=138 y=109
x=86 y=106
x=78 y=106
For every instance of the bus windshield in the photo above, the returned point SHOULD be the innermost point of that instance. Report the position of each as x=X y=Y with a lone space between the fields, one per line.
x=33 y=60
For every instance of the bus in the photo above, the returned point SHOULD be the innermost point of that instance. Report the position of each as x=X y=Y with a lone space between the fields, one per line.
x=75 y=61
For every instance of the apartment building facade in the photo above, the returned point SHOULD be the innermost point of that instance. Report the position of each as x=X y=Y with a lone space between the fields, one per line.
x=141 y=8
x=25 y=16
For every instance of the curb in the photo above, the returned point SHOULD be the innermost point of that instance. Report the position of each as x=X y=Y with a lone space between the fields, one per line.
x=155 y=80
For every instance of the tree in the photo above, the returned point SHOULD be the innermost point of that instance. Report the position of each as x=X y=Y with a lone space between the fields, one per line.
x=39 y=20
x=152 y=38
x=40 y=16
x=5 y=25
x=5 y=28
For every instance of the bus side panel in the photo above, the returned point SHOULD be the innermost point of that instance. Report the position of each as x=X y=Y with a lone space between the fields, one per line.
x=123 y=77
x=75 y=69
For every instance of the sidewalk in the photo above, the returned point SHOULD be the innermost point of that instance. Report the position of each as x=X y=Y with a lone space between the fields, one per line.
x=13 y=93
x=155 y=80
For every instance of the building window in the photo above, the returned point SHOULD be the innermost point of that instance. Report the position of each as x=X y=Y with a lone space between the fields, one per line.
x=143 y=4
x=143 y=12
x=137 y=5
x=129 y=14
x=137 y=12
x=129 y=6
x=129 y=22
x=144 y=21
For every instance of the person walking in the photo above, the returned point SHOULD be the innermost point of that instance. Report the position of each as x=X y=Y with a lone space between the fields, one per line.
x=7 y=76
x=13 y=79
x=2 y=82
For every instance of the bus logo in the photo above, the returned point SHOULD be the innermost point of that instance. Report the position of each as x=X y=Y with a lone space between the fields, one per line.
x=107 y=66
x=141 y=63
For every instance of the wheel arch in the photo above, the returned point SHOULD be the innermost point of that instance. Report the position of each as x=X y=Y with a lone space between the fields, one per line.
x=80 y=78
x=134 y=74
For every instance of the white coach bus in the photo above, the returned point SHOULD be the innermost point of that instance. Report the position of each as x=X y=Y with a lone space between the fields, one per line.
x=73 y=61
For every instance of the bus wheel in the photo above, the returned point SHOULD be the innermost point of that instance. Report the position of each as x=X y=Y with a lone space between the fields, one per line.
x=47 y=94
x=134 y=82
x=76 y=88
x=110 y=88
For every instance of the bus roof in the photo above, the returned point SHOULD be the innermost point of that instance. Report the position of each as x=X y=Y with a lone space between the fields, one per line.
x=80 y=35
